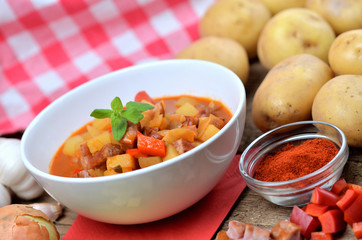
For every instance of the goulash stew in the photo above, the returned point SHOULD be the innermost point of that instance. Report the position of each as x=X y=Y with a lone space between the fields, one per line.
x=172 y=126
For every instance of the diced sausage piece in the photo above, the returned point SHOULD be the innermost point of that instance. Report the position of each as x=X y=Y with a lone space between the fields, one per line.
x=108 y=150
x=285 y=230
x=88 y=161
x=256 y=233
x=190 y=121
x=183 y=145
x=85 y=156
x=236 y=230
x=152 y=132
x=83 y=174
x=128 y=141
x=204 y=110
x=242 y=231
x=222 y=235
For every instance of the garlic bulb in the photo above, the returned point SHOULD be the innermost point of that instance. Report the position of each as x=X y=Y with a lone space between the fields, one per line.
x=5 y=197
x=13 y=173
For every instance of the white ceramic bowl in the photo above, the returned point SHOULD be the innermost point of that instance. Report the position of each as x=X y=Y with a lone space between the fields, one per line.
x=151 y=193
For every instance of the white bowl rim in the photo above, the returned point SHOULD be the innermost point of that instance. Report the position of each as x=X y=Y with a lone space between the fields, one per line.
x=264 y=184
x=152 y=168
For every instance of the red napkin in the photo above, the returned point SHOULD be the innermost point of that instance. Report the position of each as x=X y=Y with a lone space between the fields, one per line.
x=200 y=221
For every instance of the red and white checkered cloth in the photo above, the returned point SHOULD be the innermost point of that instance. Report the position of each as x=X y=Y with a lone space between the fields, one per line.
x=48 y=47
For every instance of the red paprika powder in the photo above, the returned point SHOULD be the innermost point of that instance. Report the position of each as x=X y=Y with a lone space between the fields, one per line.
x=294 y=161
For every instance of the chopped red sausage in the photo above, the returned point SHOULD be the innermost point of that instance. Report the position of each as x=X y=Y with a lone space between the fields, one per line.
x=152 y=132
x=183 y=145
x=285 y=230
x=83 y=174
x=88 y=161
x=190 y=121
x=242 y=231
x=128 y=141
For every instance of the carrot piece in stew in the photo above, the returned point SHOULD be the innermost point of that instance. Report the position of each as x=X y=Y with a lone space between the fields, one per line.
x=135 y=152
x=150 y=145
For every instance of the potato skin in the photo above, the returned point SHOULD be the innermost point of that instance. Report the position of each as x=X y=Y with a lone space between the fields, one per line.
x=223 y=51
x=287 y=91
x=339 y=102
x=342 y=15
x=345 y=54
x=276 y=6
x=241 y=20
x=294 y=31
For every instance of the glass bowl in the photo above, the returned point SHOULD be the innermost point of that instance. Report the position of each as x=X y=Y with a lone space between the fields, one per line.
x=297 y=191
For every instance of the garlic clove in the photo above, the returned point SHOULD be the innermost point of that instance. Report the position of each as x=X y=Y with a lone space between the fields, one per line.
x=5 y=197
x=11 y=166
x=28 y=188
x=52 y=210
x=13 y=172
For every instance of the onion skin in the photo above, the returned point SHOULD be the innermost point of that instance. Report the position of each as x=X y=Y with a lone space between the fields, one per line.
x=17 y=222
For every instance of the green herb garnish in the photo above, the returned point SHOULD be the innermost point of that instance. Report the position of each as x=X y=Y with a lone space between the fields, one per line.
x=119 y=116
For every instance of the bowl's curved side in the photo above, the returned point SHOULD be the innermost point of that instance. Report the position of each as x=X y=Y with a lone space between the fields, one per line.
x=147 y=194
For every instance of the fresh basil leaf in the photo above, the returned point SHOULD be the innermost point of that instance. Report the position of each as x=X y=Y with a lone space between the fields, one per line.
x=101 y=113
x=119 y=127
x=119 y=116
x=140 y=107
x=116 y=104
x=132 y=115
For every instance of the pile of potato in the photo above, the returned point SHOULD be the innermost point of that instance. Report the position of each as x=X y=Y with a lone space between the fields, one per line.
x=311 y=48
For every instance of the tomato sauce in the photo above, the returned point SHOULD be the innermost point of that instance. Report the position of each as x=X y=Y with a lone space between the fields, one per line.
x=67 y=165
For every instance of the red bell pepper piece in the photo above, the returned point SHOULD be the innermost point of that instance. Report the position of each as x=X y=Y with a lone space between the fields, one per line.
x=143 y=95
x=352 y=213
x=347 y=199
x=355 y=187
x=339 y=186
x=77 y=170
x=332 y=221
x=308 y=223
x=324 y=197
x=321 y=236
x=315 y=210
x=357 y=229
x=135 y=152
x=150 y=146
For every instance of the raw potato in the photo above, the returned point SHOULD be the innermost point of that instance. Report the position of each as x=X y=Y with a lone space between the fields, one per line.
x=294 y=31
x=276 y=6
x=18 y=222
x=342 y=15
x=345 y=54
x=223 y=51
x=287 y=92
x=339 y=102
x=241 y=20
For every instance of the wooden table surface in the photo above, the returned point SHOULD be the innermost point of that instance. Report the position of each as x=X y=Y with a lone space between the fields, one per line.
x=250 y=207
